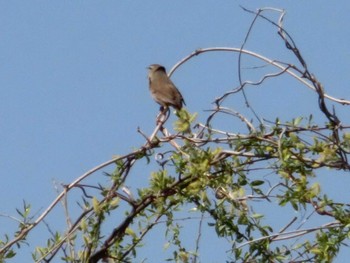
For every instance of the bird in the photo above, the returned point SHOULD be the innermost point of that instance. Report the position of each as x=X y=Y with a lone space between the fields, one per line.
x=163 y=90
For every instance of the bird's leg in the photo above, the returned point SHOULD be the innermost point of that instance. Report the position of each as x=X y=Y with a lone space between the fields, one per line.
x=163 y=115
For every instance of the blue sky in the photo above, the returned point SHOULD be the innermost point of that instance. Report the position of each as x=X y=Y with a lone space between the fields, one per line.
x=74 y=89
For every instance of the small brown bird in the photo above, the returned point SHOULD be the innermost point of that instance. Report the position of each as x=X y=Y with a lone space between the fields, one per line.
x=163 y=89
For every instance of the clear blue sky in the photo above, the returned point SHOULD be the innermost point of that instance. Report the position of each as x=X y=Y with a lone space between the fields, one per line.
x=73 y=80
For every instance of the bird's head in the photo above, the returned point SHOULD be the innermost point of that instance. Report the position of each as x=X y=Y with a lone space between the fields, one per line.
x=155 y=67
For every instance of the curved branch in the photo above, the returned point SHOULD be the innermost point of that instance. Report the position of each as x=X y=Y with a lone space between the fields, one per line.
x=291 y=234
x=24 y=232
x=256 y=55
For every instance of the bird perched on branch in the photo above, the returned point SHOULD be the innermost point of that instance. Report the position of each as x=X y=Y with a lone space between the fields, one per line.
x=163 y=90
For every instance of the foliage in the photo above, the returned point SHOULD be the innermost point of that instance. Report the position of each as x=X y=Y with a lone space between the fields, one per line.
x=217 y=180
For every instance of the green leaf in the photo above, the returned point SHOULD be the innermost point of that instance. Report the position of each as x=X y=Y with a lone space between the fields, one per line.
x=257 y=216
x=95 y=205
x=257 y=182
